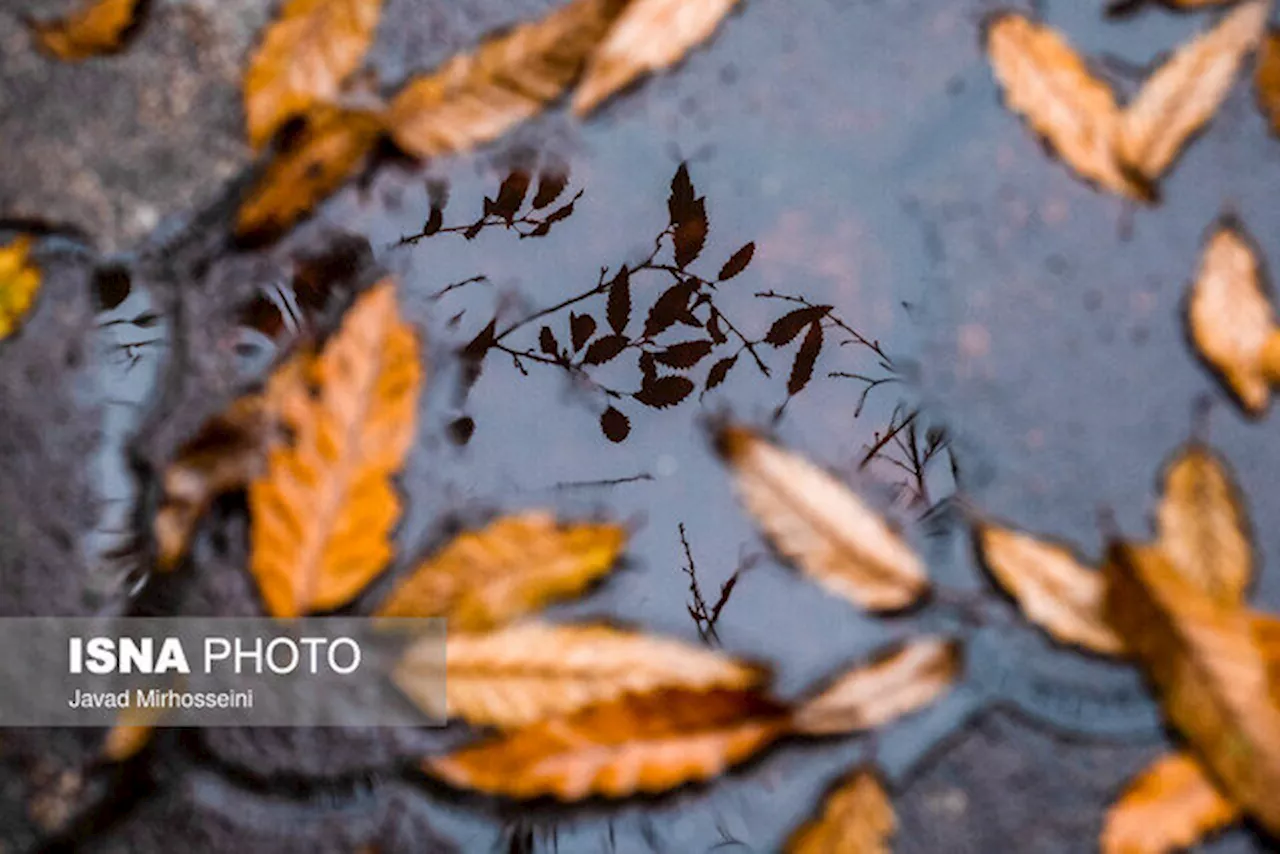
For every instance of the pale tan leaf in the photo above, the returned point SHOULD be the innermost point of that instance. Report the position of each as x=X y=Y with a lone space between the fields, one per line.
x=649 y=36
x=1267 y=79
x=93 y=30
x=132 y=732
x=857 y=818
x=1171 y=805
x=1230 y=316
x=820 y=523
x=304 y=57
x=1212 y=676
x=525 y=673
x=1184 y=94
x=1054 y=589
x=645 y=743
x=323 y=511
x=19 y=284
x=1047 y=83
x=1201 y=525
x=905 y=679
x=475 y=98
x=510 y=568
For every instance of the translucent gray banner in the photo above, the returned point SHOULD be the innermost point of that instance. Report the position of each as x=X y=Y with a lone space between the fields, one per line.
x=193 y=671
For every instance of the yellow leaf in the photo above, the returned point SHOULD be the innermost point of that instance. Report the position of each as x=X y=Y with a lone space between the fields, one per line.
x=329 y=148
x=525 y=673
x=92 y=30
x=303 y=59
x=1047 y=83
x=475 y=98
x=857 y=818
x=1052 y=587
x=19 y=283
x=132 y=732
x=1171 y=805
x=510 y=568
x=650 y=35
x=1230 y=317
x=1184 y=93
x=638 y=743
x=1202 y=527
x=906 y=679
x=323 y=511
x=1211 y=674
x=1267 y=80
x=819 y=523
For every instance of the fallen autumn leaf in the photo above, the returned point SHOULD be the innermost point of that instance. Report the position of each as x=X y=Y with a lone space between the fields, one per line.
x=857 y=818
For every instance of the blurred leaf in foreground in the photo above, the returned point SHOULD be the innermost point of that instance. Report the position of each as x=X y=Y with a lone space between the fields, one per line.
x=19 y=284
x=1172 y=805
x=92 y=30
x=857 y=818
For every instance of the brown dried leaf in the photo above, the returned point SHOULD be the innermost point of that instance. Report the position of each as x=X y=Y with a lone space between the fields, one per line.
x=819 y=523
x=525 y=673
x=1202 y=527
x=1171 y=805
x=857 y=818
x=510 y=568
x=1210 y=672
x=1231 y=320
x=95 y=29
x=19 y=284
x=476 y=97
x=649 y=36
x=638 y=743
x=1047 y=83
x=304 y=57
x=1052 y=587
x=323 y=511
x=1267 y=80
x=327 y=151
x=905 y=679
x=1185 y=93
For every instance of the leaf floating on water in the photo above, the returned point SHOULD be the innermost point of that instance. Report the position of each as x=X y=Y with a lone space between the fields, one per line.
x=93 y=30
x=819 y=523
x=304 y=57
x=526 y=673
x=510 y=568
x=649 y=36
x=1171 y=805
x=857 y=818
x=1052 y=587
x=1212 y=676
x=906 y=679
x=19 y=284
x=132 y=732
x=1202 y=527
x=1047 y=83
x=322 y=513
x=1267 y=80
x=1185 y=93
x=645 y=743
x=327 y=151
x=475 y=98
x=1231 y=319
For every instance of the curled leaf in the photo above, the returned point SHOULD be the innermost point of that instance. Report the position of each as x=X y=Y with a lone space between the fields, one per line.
x=510 y=568
x=819 y=523
x=19 y=284
x=1171 y=805
x=645 y=743
x=857 y=818
x=525 y=673
x=93 y=30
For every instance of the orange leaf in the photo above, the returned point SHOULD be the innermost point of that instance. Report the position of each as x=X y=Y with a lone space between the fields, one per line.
x=303 y=59
x=19 y=284
x=857 y=818
x=92 y=30
x=475 y=98
x=332 y=145
x=1170 y=805
x=639 y=743
x=323 y=511
x=510 y=568
x=650 y=35
x=1267 y=80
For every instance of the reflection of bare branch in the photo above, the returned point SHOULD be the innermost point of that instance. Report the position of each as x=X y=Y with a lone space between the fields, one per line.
x=614 y=481
x=705 y=616
x=456 y=285
x=904 y=447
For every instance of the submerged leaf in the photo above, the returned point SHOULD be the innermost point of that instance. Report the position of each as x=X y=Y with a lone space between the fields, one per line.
x=322 y=513
x=857 y=818
x=476 y=97
x=1171 y=805
x=95 y=29
x=19 y=284
x=510 y=568
x=646 y=743
x=519 y=675
x=649 y=36
x=819 y=523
